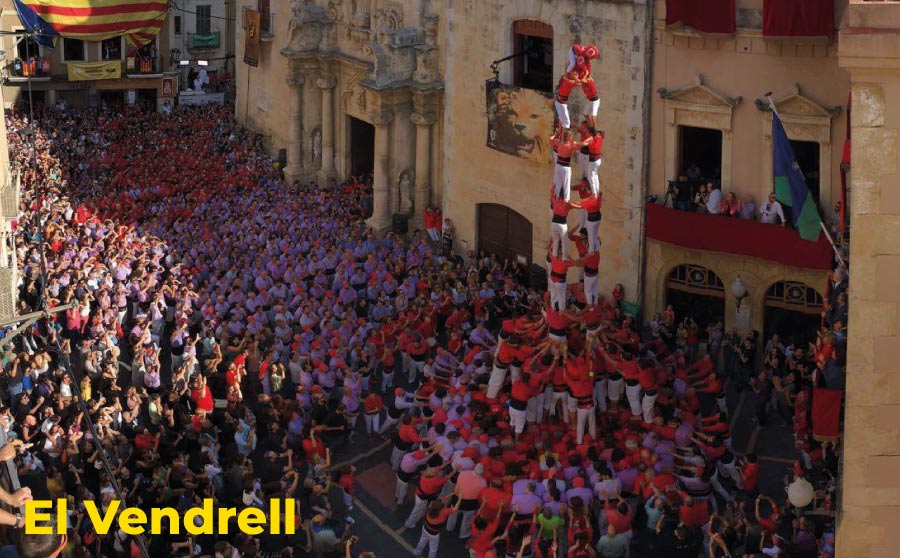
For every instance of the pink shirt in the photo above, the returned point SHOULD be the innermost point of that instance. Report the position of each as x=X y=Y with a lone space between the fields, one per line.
x=470 y=485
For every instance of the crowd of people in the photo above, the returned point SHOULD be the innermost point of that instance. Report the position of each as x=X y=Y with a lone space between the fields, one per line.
x=229 y=333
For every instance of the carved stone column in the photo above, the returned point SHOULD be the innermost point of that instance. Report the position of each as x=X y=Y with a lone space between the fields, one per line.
x=295 y=110
x=327 y=173
x=422 y=198
x=381 y=207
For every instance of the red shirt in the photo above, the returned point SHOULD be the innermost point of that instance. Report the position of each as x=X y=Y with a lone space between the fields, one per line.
x=560 y=207
x=591 y=204
x=558 y=269
x=563 y=149
x=521 y=391
x=751 y=476
x=696 y=515
x=622 y=523
x=595 y=145
x=373 y=403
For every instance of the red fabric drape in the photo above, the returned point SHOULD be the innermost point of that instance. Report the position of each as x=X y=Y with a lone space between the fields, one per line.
x=798 y=18
x=826 y=412
x=706 y=16
x=736 y=236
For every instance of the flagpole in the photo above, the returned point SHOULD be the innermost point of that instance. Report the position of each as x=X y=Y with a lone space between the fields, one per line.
x=833 y=247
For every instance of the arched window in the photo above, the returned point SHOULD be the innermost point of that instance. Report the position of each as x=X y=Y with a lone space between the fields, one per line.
x=791 y=295
x=696 y=292
x=533 y=45
x=697 y=279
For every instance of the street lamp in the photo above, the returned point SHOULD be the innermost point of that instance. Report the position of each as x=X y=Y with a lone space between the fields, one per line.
x=739 y=290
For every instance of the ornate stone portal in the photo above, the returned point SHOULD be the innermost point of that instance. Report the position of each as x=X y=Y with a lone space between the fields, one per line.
x=387 y=74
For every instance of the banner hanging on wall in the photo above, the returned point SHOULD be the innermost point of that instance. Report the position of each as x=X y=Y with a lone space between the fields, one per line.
x=89 y=71
x=251 y=42
x=519 y=121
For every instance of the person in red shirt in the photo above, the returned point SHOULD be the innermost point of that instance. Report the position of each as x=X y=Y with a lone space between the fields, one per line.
x=564 y=88
x=694 y=513
x=619 y=515
x=483 y=531
x=750 y=473
x=591 y=264
x=564 y=148
x=594 y=146
x=559 y=237
x=428 y=488
x=372 y=406
x=522 y=391
x=557 y=285
x=579 y=64
x=591 y=205
x=435 y=520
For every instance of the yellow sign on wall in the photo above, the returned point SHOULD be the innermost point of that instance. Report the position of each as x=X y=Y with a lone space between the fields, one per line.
x=84 y=71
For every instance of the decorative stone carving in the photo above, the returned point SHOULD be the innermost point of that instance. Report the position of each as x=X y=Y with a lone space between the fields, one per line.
x=420 y=119
x=361 y=98
x=317 y=145
x=798 y=104
x=335 y=10
x=405 y=190
x=698 y=94
x=306 y=28
x=295 y=80
x=430 y=23
x=326 y=82
x=388 y=18
x=381 y=118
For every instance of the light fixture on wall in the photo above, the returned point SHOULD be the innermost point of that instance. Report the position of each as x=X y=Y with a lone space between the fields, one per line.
x=739 y=290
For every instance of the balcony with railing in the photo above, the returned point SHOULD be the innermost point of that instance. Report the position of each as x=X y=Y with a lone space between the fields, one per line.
x=142 y=66
x=730 y=235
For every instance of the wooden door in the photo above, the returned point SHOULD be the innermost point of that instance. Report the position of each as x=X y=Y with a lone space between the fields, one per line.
x=504 y=232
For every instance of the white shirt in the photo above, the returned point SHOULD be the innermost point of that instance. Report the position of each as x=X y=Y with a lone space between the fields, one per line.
x=714 y=201
x=771 y=212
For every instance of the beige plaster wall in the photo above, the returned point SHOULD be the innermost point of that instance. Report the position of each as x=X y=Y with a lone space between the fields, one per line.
x=262 y=91
x=747 y=65
x=479 y=32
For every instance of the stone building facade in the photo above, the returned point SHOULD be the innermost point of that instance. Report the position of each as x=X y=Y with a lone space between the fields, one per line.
x=344 y=73
x=475 y=176
x=710 y=89
x=416 y=72
x=869 y=50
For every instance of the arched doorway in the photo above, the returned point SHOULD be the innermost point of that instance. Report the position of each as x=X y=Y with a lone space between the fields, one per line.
x=504 y=232
x=697 y=292
x=793 y=311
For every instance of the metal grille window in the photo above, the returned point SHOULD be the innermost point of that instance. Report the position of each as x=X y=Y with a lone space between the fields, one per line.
x=204 y=20
x=792 y=295
x=696 y=278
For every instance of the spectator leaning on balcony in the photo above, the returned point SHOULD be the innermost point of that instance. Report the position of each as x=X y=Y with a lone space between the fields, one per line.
x=714 y=199
x=771 y=212
x=748 y=209
x=730 y=205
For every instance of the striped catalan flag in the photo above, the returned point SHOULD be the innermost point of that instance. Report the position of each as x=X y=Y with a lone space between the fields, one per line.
x=92 y=20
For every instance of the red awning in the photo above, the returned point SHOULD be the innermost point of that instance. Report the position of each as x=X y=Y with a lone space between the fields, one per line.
x=798 y=18
x=741 y=237
x=706 y=16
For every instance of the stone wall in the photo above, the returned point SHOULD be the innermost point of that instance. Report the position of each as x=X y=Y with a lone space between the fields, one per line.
x=479 y=32
x=870 y=511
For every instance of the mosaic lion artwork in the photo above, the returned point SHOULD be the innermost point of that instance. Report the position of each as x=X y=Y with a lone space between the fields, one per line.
x=519 y=121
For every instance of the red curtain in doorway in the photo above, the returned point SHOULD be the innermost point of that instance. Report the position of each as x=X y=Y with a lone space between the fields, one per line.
x=798 y=18
x=706 y=16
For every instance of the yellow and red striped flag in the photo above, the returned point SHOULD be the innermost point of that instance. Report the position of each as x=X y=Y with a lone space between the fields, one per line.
x=92 y=20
